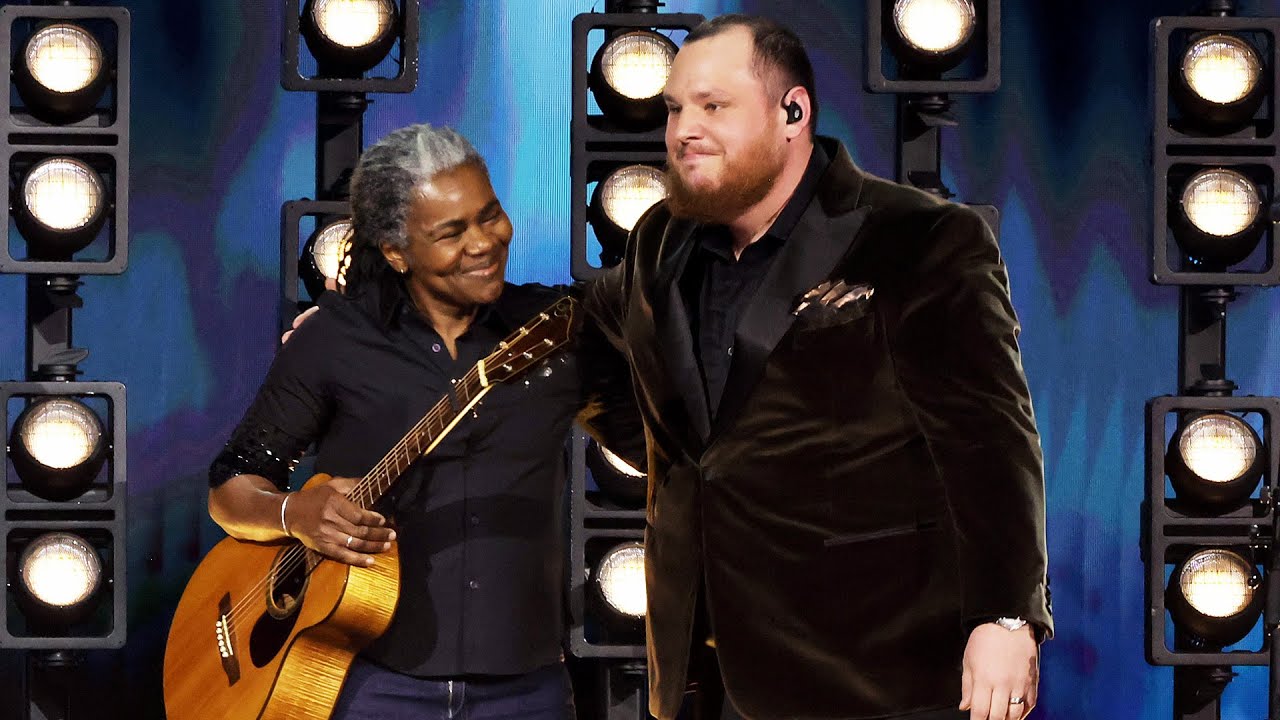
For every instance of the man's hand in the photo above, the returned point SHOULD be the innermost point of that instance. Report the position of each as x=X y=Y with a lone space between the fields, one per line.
x=1000 y=665
x=327 y=522
x=297 y=322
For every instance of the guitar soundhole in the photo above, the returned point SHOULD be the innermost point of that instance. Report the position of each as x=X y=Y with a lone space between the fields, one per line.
x=288 y=581
x=284 y=596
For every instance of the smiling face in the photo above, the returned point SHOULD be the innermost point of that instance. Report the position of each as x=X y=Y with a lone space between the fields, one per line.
x=726 y=136
x=457 y=232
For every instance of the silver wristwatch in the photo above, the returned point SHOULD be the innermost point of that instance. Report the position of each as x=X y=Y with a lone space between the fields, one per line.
x=1010 y=623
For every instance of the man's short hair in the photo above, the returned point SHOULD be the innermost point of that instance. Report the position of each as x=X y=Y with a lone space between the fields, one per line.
x=777 y=53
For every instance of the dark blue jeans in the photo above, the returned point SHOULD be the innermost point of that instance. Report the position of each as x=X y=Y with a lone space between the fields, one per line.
x=375 y=693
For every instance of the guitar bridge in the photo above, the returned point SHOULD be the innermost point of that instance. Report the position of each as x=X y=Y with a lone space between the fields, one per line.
x=226 y=640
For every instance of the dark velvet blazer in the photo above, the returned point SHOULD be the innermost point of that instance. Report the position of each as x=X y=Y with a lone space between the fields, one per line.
x=871 y=487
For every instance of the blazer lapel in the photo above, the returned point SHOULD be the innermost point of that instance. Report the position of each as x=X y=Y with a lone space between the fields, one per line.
x=672 y=327
x=808 y=257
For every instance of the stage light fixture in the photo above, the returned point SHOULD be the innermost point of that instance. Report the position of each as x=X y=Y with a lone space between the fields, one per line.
x=324 y=256
x=1215 y=461
x=1215 y=595
x=934 y=28
x=627 y=76
x=618 y=202
x=1216 y=220
x=62 y=206
x=617 y=479
x=620 y=578
x=61 y=73
x=57 y=447
x=349 y=36
x=1219 y=84
x=60 y=576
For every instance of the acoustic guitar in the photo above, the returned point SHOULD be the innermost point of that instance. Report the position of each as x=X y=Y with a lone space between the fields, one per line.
x=269 y=630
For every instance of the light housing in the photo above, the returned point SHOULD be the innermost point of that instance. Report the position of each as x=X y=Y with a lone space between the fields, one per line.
x=1219 y=82
x=61 y=72
x=1217 y=215
x=619 y=578
x=619 y=200
x=1215 y=461
x=57 y=446
x=1215 y=595
x=349 y=37
x=60 y=579
x=627 y=76
x=324 y=256
x=932 y=34
x=62 y=205
x=617 y=479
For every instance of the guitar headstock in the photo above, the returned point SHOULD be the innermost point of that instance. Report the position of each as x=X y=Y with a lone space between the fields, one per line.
x=535 y=341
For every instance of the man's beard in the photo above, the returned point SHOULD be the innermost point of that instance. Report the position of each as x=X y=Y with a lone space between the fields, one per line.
x=744 y=183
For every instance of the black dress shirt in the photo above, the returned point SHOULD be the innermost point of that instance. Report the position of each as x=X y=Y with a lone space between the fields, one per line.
x=480 y=520
x=717 y=287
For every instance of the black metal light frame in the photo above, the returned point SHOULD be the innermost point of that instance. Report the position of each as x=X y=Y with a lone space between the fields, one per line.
x=986 y=39
x=1173 y=531
x=597 y=143
x=99 y=514
x=594 y=520
x=101 y=139
x=291 y=77
x=1176 y=144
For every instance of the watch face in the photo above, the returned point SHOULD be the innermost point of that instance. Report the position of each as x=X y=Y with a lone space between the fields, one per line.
x=1011 y=624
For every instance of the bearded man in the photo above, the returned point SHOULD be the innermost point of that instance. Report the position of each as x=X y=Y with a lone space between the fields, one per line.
x=846 y=495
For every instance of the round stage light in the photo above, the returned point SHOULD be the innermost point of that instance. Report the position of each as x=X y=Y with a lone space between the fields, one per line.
x=934 y=27
x=324 y=257
x=1217 y=218
x=619 y=481
x=618 y=464
x=64 y=58
x=1221 y=69
x=1215 y=596
x=60 y=433
x=63 y=194
x=1217 y=583
x=620 y=577
x=57 y=447
x=627 y=76
x=59 y=574
x=353 y=23
x=637 y=64
x=348 y=37
x=330 y=247
x=1214 y=461
x=1218 y=447
x=629 y=192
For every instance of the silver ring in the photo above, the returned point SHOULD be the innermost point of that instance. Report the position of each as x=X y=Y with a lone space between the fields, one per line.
x=352 y=537
x=1016 y=700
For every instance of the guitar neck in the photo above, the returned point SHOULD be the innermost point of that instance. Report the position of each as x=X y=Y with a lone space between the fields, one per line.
x=422 y=437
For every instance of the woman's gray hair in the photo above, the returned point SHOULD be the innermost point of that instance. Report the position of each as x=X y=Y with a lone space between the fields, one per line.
x=390 y=173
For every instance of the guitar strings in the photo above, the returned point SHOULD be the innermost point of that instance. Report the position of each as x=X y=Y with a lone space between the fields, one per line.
x=298 y=553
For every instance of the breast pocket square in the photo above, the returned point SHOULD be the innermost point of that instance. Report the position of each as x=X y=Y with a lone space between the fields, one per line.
x=834 y=302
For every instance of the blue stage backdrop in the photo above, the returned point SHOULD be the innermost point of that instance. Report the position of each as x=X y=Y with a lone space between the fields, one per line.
x=1062 y=149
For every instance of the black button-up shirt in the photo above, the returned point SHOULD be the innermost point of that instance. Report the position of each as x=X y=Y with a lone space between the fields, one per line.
x=480 y=520
x=717 y=287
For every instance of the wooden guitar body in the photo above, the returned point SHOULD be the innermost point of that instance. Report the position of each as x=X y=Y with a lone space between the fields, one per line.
x=240 y=649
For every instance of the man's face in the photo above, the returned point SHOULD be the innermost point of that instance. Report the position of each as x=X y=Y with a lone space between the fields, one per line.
x=458 y=236
x=725 y=137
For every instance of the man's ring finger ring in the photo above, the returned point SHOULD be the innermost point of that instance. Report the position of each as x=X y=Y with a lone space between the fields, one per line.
x=352 y=537
x=1015 y=700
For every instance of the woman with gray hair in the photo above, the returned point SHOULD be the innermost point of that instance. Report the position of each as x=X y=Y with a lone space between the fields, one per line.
x=479 y=624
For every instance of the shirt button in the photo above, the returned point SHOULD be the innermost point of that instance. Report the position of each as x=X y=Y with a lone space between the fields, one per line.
x=475 y=519
x=474 y=584
x=435 y=347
